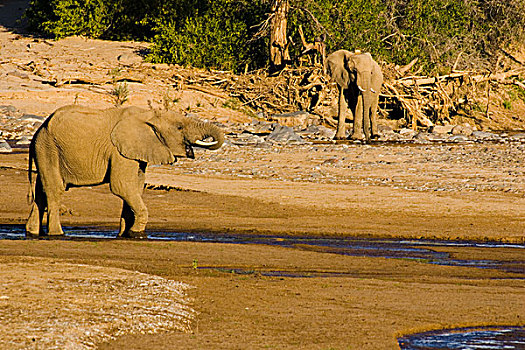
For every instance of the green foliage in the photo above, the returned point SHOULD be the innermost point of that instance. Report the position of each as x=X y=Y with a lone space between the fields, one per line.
x=216 y=38
x=435 y=31
x=217 y=33
x=120 y=93
x=109 y=19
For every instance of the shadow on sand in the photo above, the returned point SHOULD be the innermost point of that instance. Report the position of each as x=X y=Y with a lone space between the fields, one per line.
x=11 y=15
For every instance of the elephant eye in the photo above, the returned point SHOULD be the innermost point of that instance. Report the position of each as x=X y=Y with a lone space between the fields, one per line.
x=179 y=126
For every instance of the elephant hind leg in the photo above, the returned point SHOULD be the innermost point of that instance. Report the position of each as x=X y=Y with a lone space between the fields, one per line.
x=53 y=211
x=38 y=207
x=53 y=186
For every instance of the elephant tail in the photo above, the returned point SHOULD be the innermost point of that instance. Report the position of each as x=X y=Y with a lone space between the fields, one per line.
x=31 y=191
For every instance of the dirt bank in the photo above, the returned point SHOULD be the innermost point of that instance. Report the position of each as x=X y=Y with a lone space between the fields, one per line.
x=373 y=300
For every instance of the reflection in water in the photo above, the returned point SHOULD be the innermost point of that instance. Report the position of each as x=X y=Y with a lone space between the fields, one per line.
x=511 y=338
x=420 y=250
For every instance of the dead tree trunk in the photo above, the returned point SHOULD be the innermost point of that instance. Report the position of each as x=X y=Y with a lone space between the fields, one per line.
x=279 y=55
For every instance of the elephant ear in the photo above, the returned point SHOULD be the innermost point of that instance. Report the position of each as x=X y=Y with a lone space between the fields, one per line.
x=337 y=66
x=138 y=139
x=349 y=62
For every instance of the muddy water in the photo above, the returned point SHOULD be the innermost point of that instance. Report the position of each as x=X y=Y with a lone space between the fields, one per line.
x=511 y=338
x=420 y=250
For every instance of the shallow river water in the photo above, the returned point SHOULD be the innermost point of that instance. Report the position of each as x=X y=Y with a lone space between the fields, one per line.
x=420 y=250
x=510 y=338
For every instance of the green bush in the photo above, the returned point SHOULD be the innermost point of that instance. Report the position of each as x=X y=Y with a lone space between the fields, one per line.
x=435 y=31
x=217 y=33
x=217 y=37
x=108 y=19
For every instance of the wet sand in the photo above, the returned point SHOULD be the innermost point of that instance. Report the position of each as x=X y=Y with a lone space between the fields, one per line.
x=364 y=303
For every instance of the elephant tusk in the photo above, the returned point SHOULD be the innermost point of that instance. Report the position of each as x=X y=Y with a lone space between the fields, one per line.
x=205 y=143
x=360 y=88
x=372 y=90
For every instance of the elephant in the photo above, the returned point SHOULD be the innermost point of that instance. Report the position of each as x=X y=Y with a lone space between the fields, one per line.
x=80 y=146
x=359 y=79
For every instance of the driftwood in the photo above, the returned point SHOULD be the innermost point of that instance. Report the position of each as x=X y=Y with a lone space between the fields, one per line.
x=425 y=101
x=422 y=101
x=317 y=49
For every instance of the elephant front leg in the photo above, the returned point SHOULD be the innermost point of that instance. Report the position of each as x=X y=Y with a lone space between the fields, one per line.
x=341 y=114
x=127 y=219
x=134 y=218
x=357 y=132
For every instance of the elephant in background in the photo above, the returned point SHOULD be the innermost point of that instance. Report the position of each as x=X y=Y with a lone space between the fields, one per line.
x=359 y=79
x=80 y=146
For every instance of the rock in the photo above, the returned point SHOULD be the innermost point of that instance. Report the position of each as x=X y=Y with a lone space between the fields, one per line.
x=247 y=139
x=464 y=129
x=4 y=147
x=458 y=138
x=436 y=137
x=285 y=134
x=161 y=66
x=422 y=136
x=442 y=129
x=18 y=74
x=299 y=119
x=32 y=118
x=407 y=133
x=318 y=131
x=483 y=135
x=129 y=59
x=8 y=109
x=383 y=129
x=517 y=137
x=24 y=140
x=258 y=128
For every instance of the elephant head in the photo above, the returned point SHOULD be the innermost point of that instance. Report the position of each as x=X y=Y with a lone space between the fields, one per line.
x=160 y=137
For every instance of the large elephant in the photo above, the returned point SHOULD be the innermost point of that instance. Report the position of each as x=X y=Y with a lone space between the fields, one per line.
x=80 y=146
x=359 y=79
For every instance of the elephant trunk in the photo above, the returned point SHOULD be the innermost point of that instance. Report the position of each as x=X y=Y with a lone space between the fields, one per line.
x=365 y=88
x=205 y=135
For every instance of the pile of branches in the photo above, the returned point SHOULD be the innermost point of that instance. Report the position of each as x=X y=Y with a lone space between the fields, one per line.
x=422 y=101
x=295 y=89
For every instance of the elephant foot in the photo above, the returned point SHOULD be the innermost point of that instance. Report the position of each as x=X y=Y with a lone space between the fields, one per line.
x=134 y=234
x=31 y=234
x=358 y=137
x=55 y=232
x=33 y=230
